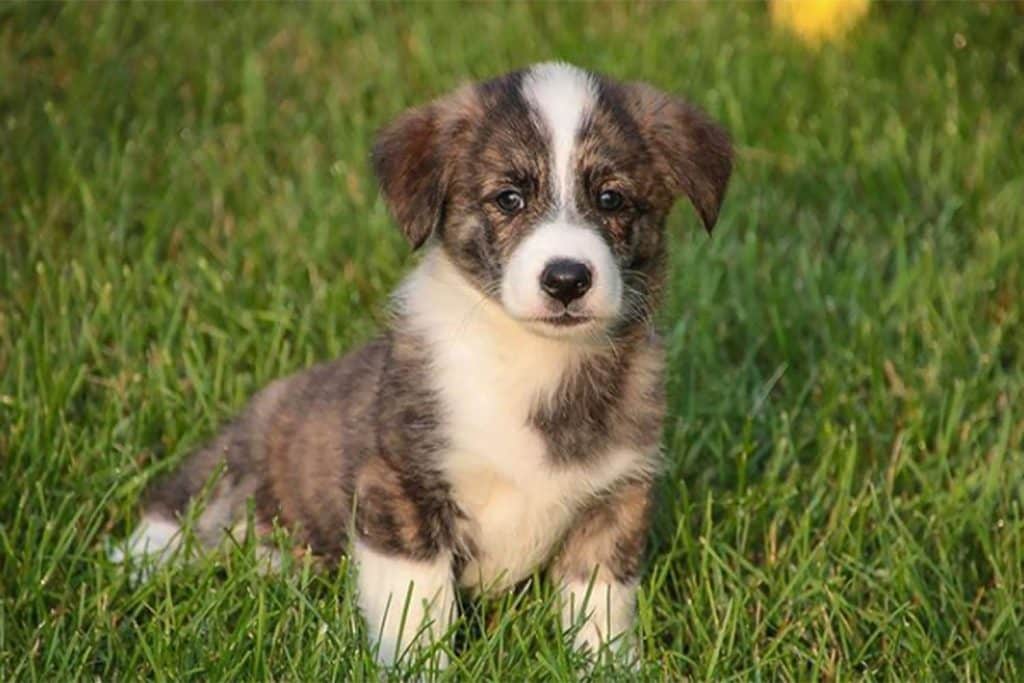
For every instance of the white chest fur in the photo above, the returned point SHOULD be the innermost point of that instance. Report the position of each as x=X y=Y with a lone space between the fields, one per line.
x=489 y=373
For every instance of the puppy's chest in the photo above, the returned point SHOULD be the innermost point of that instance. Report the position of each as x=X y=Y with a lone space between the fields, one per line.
x=514 y=509
x=516 y=501
x=516 y=506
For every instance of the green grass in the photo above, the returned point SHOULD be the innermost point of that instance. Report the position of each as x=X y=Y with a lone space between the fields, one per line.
x=186 y=212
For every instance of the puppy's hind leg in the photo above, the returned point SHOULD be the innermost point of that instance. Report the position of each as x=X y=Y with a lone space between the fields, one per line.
x=210 y=489
x=201 y=485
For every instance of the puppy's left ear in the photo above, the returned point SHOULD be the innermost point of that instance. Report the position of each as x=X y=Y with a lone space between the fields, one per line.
x=693 y=153
x=412 y=164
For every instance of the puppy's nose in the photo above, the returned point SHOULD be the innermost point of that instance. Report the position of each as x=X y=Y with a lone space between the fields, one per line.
x=565 y=280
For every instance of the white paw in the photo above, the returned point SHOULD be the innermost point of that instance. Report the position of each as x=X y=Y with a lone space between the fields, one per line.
x=408 y=605
x=150 y=545
x=603 y=612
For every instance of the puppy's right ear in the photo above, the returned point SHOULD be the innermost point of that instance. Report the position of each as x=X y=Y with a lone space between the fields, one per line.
x=408 y=166
x=411 y=158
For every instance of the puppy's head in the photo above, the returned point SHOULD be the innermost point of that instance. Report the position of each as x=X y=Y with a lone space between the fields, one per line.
x=548 y=188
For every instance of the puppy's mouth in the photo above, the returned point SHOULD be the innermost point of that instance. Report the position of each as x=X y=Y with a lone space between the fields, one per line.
x=564 y=319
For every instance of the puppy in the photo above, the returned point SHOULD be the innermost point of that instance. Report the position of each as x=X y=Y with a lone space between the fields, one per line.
x=509 y=418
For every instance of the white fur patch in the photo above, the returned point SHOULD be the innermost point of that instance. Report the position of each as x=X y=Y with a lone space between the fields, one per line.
x=151 y=544
x=521 y=292
x=490 y=371
x=606 y=611
x=562 y=94
x=406 y=604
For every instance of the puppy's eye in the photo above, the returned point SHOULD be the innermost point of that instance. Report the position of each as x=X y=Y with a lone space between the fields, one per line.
x=510 y=201
x=610 y=200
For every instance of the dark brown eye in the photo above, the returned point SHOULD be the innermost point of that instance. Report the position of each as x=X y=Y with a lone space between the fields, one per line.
x=610 y=200
x=510 y=201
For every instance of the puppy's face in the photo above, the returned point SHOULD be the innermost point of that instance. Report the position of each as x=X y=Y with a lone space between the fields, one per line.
x=549 y=187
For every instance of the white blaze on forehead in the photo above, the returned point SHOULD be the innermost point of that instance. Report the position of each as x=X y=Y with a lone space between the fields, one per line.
x=562 y=95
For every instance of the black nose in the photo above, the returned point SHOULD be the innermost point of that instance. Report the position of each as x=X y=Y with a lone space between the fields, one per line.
x=565 y=280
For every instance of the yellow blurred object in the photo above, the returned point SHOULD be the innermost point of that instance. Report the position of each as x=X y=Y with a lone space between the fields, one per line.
x=817 y=21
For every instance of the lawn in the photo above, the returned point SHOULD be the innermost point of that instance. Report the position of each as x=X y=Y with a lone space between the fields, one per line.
x=186 y=212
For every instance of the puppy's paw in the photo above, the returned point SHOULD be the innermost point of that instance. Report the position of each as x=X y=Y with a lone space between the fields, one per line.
x=602 y=614
x=149 y=546
x=409 y=606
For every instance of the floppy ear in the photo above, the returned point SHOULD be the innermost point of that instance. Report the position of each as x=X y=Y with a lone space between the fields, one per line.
x=407 y=162
x=693 y=152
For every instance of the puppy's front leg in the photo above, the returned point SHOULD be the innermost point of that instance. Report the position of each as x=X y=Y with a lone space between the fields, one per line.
x=405 y=582
x=408 y=604
x=599 y=565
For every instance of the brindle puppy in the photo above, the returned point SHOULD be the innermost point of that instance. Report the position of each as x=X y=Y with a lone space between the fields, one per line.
x=510 y=416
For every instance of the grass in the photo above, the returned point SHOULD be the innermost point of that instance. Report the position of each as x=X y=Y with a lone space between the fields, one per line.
x=186 y=213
